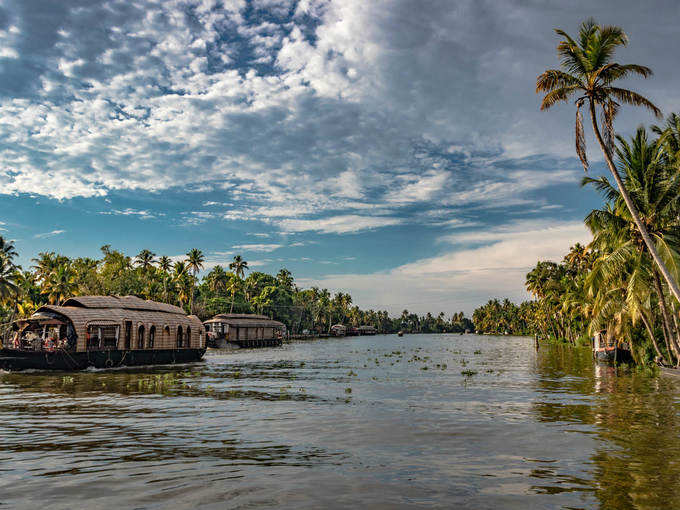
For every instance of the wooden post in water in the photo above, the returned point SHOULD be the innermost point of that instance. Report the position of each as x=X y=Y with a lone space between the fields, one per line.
x=536 y=344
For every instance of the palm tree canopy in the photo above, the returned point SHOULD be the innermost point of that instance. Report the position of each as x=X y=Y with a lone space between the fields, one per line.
x=589 y=73
x=7 y=250
x=238 y=266
x=145 y=259
x=164 y=263
x=195 y=260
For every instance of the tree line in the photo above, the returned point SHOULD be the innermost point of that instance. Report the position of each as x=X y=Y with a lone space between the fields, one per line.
x=625 y=281
x=53 y=278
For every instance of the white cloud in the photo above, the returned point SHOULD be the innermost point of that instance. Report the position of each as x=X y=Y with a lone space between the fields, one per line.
x=419 y=188
x=141 y=213
x=465 y=278
x=46 y=235
x=258 y=247
x=341 y=224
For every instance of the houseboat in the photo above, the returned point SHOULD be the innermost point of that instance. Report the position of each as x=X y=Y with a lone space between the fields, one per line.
x=243 y=330
x=352 y=331
x=338 y=330
x=607 y=349
x=104 y=332
x=367 y=330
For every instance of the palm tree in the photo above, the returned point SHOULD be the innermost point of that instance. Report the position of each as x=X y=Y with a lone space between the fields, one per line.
x=164 y=264
x=60 y=284
x=195 y=260
x=669 y=137
x=655 y=190
x=44 y=265
x=239 y=268
x=145 y=259
x=179 y=277
x=8 y=280
x=588 y=70
x=217 y=280
x=7 y=249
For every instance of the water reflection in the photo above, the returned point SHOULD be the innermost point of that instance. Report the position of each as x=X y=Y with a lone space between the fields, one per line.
x=437 y=421
x=634 y=416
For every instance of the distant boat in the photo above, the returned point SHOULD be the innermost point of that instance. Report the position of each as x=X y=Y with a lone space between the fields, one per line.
x=400 y=333
x=607 y=349
x=338 y=330
x=367 y=330
x=243 y=330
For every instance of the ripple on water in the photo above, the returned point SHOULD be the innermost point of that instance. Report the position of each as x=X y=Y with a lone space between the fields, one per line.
x=425 y=420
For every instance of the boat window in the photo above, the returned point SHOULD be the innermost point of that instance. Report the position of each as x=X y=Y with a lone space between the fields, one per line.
x=128 y=334
x=152 y=336
x=180 y=338
x=109 y=336
x=93 y=338
x=188 y=337
x=140 y=337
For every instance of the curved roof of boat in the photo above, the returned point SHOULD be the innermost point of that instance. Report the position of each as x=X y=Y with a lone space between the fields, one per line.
x=245 y=319
x=122 y=302
x=239 y=316
x=81 y=316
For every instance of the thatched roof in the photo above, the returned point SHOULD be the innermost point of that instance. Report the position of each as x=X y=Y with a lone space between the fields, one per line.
x=81 y=316
x=244 y=320
x=239 y=316
x=121 y=302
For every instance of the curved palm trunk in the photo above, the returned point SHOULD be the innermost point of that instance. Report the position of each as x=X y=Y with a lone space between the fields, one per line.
x=650 y=332
x=672 y=284
x=666 y=320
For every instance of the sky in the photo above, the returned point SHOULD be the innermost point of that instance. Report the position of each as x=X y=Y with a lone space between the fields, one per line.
x=393 y=149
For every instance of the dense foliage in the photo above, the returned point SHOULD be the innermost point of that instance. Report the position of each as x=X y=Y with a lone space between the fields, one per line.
x=54 y=278
x=613 y=284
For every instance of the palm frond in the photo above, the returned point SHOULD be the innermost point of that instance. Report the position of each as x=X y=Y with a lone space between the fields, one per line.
x=557 y=95
x=581 y=137
x=554 y=78
x=614 y=71
x=633 y=98
x=609 y=111
x=602 y=184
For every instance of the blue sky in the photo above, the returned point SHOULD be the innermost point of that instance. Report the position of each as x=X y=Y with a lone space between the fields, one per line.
x=391 y=149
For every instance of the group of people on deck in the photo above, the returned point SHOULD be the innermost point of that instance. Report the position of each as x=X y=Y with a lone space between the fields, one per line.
x=47 y=339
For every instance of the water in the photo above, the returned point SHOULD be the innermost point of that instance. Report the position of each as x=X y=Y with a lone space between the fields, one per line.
x=373 y=422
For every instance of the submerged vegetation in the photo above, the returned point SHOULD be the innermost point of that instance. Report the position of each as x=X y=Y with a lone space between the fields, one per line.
x=625 y=281
x=54 y=278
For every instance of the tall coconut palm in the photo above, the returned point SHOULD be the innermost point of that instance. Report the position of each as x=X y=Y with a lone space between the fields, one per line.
x=669 y=137
x=145 y=259
x=239 y=267
x=8 y=280
x=217 y=280
x=164 y=265
x=589 y=73
x=655 y=191
x=195 y=260
x=7 y=249
x=60 y=284
x=45 y=263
